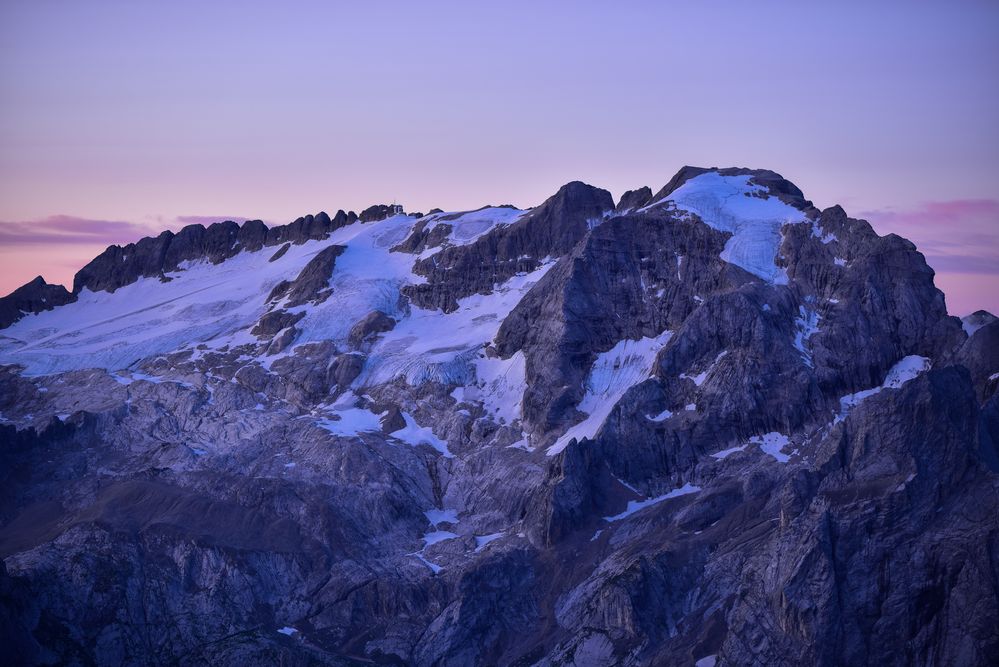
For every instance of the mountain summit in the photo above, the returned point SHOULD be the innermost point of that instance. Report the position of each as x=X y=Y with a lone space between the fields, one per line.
x=707 y=425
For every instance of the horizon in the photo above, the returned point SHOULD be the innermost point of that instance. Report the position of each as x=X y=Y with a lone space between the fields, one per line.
x=963 y=289
x=135 y=119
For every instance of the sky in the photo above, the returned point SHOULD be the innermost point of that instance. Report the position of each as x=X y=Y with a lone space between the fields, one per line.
x=120 y=119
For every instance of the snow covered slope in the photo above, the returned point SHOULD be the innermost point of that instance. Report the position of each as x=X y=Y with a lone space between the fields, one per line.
x=203 y=304
x=733 y=204
x=216 y=305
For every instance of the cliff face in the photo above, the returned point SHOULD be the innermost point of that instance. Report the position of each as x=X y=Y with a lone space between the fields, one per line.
x=34 y=297
x=710 y=423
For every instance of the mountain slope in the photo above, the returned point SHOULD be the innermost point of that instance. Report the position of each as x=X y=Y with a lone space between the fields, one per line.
x=710 y=422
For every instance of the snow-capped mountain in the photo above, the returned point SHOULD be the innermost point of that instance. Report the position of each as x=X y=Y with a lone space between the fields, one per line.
x=711 y=425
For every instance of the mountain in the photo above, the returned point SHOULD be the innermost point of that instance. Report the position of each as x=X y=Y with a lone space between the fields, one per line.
x=707 y=425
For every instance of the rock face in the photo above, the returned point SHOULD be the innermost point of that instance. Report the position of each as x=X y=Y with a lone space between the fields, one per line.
x=34 y=297
x=118 y=266
x=714 y=425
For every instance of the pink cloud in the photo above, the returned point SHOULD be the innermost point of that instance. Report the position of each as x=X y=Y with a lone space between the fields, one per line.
x=70 y=229
x=957 y=236
x=935 y=213
x=56 y=247
x=209 y=219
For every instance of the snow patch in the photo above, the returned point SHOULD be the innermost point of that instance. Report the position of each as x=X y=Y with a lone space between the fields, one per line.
x=907 y=368
x=482 y=540
x=433 y=346
x=661 y=417
x=436 y=516
x=437 y=536
x=499 y=386
x=351 y=422
x=806 y=324
x=637 y=505
x=728 y=452
x=818 y=233
x=415 y=435
x=772 y=443
x=434 y=567
x=468 y=227
x=698 y=379
x=612 y=374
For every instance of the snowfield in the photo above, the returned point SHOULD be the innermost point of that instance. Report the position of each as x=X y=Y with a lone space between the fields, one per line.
x=732 y=204
x=217 y=304
x=205 y=302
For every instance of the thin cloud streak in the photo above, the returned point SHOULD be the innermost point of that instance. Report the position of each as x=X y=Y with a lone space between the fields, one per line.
x=58 y=246
x=957 y=236
x=935 y=213
x=960 y=239
x=70 y=229
x=211 y=219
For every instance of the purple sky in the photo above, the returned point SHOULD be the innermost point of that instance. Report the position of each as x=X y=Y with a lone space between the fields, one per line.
x=121 y=118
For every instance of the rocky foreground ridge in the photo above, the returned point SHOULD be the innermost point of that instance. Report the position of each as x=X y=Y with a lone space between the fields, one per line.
x=710 y=425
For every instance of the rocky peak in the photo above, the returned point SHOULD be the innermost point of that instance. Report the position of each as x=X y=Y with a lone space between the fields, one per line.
x=775 y=184
x=548 y=231
x=375 y=213
x=32 y=297
x=977 y=320
x=634 y=199
x=151 y=257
